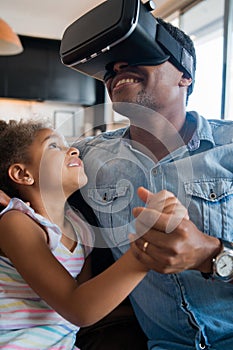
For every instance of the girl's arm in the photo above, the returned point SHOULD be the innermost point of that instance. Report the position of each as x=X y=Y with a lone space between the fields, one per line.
x=86 y=272
x=25 y=244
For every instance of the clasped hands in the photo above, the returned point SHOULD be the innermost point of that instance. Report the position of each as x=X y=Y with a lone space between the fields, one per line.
x=168 y=242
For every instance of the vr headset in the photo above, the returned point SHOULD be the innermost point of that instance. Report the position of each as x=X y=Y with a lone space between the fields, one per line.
x=120 y=31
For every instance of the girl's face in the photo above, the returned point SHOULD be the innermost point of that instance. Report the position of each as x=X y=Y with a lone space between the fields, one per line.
x=54 y=165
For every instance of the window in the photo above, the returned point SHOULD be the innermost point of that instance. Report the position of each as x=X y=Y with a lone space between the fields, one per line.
x=228 y=106
x=205 y=24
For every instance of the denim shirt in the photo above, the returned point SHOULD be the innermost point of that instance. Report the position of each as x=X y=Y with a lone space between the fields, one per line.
x=176 y=311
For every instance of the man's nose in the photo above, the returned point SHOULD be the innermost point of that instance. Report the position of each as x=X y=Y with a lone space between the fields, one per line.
x=118 y=66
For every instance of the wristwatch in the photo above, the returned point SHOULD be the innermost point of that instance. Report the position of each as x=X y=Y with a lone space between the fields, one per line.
x=223 y=263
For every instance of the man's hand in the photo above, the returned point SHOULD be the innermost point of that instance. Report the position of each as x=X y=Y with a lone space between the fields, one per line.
x=4 y=199
x=169 y=242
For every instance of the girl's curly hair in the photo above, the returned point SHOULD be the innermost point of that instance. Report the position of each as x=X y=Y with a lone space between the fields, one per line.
x=15 y=139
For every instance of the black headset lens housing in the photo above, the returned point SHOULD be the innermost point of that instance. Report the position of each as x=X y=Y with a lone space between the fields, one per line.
x=121 y=31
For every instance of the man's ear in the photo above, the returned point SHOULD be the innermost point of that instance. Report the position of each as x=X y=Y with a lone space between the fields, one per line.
x=20 y=175
x=185 y=81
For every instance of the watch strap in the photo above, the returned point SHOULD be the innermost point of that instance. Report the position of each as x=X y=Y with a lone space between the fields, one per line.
x=210 y=275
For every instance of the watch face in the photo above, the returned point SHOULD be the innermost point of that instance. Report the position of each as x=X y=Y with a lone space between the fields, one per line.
x=224 y=266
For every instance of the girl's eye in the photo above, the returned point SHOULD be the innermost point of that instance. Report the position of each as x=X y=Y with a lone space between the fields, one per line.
x=54 y=145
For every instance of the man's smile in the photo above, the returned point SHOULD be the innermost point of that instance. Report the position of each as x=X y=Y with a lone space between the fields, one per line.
x=123 y=80
x=126 y=81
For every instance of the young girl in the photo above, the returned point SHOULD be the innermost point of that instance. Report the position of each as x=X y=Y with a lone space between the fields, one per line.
x=44 y=247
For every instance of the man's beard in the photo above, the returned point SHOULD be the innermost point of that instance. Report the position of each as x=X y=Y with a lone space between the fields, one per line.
x=147 y=101
x=143 y=105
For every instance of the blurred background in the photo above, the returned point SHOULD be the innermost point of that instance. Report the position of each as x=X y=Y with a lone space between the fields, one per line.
x=34 y=83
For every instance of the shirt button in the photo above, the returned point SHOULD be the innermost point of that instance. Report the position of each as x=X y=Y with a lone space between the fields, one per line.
x=212 y=196
x=202 y=343
x=155 y=171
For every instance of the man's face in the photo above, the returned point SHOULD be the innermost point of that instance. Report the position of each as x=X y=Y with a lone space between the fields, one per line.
x=153 y=87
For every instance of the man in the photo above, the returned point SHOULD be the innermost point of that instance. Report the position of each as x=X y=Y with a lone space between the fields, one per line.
x=179 y=305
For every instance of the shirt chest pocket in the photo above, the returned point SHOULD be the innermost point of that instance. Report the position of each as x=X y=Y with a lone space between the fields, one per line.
x=210 y=206
x=111 y=204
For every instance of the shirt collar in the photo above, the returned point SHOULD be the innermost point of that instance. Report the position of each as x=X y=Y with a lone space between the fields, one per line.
x=203 y=132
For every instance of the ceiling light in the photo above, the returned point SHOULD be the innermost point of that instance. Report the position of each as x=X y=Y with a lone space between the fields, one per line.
x=9 y=41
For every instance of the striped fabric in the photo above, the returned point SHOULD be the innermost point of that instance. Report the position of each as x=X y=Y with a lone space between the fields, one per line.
x=26 y=321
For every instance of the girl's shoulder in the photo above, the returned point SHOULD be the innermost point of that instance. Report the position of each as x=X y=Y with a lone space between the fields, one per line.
x=14 y=214
x=18 y=231
x=15 y=220
x=11 y=215
x=32 y=222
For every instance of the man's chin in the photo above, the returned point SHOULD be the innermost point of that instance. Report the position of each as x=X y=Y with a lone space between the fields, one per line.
x=132 y=110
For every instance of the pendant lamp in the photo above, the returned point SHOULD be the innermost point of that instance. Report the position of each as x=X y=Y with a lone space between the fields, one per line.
x=9 y=41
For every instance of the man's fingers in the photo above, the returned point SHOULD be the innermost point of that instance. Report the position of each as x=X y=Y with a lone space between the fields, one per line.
x=4 y=198
x=142 y=256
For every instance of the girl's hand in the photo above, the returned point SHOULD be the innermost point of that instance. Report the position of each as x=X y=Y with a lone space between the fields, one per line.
x=163 y=202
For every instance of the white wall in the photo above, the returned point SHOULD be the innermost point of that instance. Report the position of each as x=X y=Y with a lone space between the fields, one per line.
x=72 y=120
